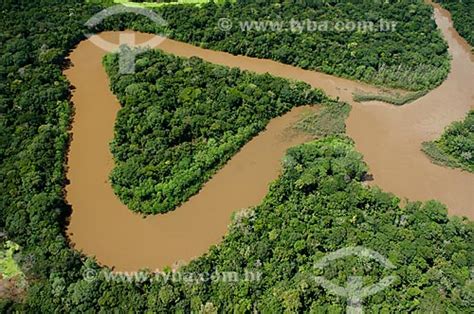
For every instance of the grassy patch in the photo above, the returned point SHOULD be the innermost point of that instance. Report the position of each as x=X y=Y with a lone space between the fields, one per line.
x=391 y=98
x=8 y=266
x=329 y=120
x=156 y=4
x=13 y=282
x=437 y=156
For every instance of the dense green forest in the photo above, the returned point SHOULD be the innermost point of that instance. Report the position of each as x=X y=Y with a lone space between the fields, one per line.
x=462 y=12
x=316 y=207
x=184 y=118
x=455 y=147
x=413 y=56
x=35 y=116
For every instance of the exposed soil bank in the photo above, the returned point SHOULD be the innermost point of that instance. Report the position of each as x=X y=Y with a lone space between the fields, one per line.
x=389 y=137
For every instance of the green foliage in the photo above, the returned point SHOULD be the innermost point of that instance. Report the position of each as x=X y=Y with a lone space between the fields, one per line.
x=328 y=120
x=182 y=119
x=463 y=17
x=455 y=148
x=13 y=281
x=413 y=56
x=8 y=266
x=158 y=3
x=391 y=98
x=315 y=207
x=34 y=122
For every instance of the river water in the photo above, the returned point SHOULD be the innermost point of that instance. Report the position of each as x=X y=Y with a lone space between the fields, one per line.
x=389 y=137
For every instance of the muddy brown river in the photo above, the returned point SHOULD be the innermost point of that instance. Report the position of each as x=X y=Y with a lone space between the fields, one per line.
x=389 y=137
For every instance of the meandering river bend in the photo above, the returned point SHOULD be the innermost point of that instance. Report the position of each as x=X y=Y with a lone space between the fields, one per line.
x=389 y=137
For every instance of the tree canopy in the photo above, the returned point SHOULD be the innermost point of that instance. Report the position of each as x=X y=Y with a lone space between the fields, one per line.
x=182 y=119
x=317 y=206
x=413 y=55
x=463 y=18
x=455 y=147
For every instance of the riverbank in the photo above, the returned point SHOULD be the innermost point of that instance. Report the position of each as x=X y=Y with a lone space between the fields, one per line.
x=389 y=138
